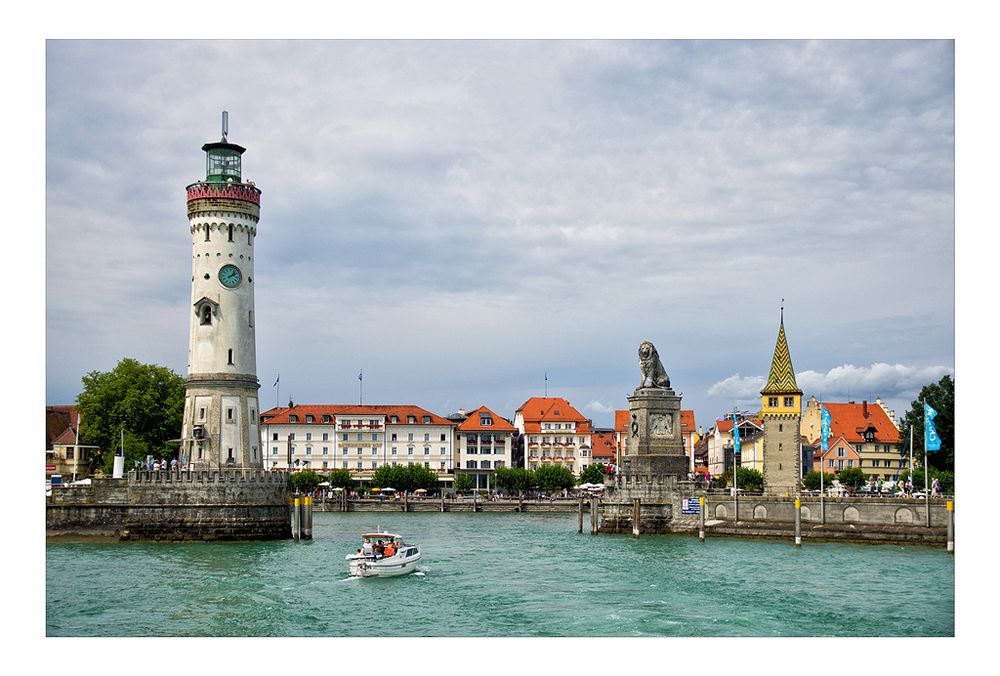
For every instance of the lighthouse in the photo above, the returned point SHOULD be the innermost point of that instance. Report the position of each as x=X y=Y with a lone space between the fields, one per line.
x=221 y=411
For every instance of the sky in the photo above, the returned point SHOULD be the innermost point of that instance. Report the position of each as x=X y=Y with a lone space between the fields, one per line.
x=460 y=220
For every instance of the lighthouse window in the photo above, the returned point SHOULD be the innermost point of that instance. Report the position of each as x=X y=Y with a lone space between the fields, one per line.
x=230 y=232
x=206 y=314
x=206 y=233
x=230 y=357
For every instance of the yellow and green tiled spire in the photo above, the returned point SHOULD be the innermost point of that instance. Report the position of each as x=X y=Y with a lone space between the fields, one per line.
x=782 y=377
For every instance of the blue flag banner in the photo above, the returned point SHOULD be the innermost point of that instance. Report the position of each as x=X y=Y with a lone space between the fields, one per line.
x=360 y=374
x=824 y=439
x=736 y=435
x=932 y=442
x=276 y=380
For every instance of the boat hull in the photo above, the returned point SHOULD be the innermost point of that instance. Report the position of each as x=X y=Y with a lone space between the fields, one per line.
x=391 y=567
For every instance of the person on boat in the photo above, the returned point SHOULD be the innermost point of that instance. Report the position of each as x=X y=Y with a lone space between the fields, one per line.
x=390 y=549
x=379 y=549
x=367 y=548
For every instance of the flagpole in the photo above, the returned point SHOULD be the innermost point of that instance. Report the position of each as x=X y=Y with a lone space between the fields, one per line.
x=927 y=492
x=736 y=492
x=911 y=460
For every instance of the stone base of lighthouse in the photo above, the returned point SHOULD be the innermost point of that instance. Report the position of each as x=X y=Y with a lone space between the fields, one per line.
x=221 y=422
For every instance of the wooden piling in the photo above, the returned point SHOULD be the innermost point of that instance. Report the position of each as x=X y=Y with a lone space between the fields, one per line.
x=593 y=516
x=579 y=515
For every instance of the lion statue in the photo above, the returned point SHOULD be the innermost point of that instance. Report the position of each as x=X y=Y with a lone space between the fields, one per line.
x=653 y=373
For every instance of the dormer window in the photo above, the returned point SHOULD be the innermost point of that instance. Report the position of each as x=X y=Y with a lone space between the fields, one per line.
x=309 y=418
x=485 y=421
x=293 y=418
x=427 y=419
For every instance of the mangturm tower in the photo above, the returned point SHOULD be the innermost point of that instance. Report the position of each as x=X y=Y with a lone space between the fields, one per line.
x=781 y=411
x=220 y=406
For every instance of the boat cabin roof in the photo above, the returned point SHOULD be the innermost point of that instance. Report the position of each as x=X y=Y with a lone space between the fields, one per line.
x=382 y=536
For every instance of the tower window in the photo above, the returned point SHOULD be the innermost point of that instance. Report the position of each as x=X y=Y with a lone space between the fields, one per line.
x=206 y=314
x=230 y=357
x=230 y=232
x=789 y=402
x=207 y=229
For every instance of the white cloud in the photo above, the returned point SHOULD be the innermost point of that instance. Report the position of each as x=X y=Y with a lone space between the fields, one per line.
x=738 y=387
x=595 y=406
x=881 y=379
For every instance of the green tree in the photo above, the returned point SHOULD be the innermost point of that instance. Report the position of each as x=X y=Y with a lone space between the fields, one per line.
x=463 y=483
x=941 y=397
x=404 y=477
x=512 y=479
x=811 y=480
x=553 y=478
x=340 y=478
x=592 y=474
x=852 y=477
x=747 y=479
x=144 y=400
x=306 y=481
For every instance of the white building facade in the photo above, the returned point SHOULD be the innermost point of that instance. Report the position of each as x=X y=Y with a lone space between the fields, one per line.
x=357 y=438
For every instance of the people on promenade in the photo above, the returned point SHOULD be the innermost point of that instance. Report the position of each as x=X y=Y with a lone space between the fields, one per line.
x=173 y=464
x=936 y=488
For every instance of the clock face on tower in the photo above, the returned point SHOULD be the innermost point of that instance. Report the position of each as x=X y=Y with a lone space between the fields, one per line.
x=230 y=276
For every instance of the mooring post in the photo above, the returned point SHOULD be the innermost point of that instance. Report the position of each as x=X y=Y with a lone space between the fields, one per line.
x=579 y=515
x=701 y=512
x=951 y=527
x=442 y=499
x=307 y=518
x=798 y=522
x=593 y=516
x=636 y=515
x=406 y=502
x=296 y=519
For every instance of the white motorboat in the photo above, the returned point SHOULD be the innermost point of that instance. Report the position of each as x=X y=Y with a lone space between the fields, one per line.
x=368 y=562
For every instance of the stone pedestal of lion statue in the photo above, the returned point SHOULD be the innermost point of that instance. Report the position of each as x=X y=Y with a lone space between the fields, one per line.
x=654 y=467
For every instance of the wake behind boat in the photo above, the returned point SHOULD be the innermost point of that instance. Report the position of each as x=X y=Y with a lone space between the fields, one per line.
x=383 y=555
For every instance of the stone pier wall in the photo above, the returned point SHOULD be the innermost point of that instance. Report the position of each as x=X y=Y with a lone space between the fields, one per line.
x=174 y=506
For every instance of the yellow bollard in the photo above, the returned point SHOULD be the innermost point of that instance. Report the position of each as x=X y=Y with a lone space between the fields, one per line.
x=951 y=527
x=701 y=511
x=798 y=522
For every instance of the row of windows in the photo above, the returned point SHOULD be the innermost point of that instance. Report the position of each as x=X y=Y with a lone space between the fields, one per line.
x=344 y=450
x=359 y=465
x=482 y=464
x=371 y=422
x=788 y=402
x=556 y=440
x=861 y=463
x=360 y=436
x=557 y=426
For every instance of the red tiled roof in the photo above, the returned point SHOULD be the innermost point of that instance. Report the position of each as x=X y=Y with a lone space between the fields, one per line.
x=687 y=421
x=280 y=415
x=472 y=424
x=727 y=425
x=60 y=421
x=551 y=409
x=848 y=421
x=602 y=444
x=621 y=421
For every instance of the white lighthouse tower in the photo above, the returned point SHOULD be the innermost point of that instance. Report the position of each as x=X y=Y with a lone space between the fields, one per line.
x=221 y=405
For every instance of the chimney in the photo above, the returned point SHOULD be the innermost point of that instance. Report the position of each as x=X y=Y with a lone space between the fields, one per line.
x=864 y=407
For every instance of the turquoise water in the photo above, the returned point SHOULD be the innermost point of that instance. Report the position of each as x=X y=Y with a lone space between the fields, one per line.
x=499 y=575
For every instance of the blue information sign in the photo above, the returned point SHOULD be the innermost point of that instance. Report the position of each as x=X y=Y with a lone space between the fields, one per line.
x=690 y=506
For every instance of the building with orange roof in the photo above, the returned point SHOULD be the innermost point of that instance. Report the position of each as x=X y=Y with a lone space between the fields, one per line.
x=484 y=442
x=603 y=447
x=841 y=454
x=359 y=438
x=554 y=433
x=621 y=434
x=868 y=428
x=63 y=453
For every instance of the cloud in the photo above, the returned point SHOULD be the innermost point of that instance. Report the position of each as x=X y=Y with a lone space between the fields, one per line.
x=881 y=379
x=738 y=387
x=595 y=406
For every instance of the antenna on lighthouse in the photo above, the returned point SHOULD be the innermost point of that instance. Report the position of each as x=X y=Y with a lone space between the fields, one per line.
x=225 y=124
